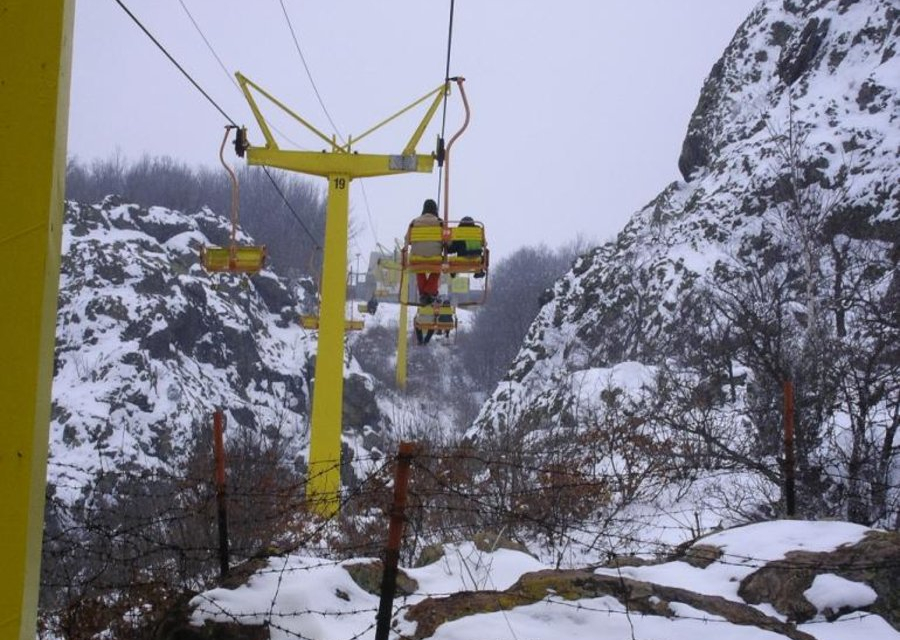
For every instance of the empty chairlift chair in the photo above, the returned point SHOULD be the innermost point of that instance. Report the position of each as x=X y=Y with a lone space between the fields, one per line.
x=234 y=258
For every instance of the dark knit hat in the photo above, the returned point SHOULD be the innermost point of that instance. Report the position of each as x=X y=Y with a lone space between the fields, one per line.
x=430 y=206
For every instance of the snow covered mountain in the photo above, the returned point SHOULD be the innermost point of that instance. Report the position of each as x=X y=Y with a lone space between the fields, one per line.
x=149 y=345
x=774 y=258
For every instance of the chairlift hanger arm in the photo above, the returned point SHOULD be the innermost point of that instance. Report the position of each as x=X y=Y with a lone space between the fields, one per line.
x=243 y=81
x=438 y=95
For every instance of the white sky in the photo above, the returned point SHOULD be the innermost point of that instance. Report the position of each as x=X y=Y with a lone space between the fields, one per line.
x=579 y=106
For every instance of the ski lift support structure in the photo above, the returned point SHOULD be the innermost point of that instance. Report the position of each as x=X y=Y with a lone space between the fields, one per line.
x=339 y=164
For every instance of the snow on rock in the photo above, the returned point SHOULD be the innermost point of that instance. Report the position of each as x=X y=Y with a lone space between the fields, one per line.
x=743 y=551
x=833 y=593
x=148 y=345
x=476 y=594
x=463 y=567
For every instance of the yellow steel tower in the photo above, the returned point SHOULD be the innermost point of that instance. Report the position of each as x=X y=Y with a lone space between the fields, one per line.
x=339 y=164
x=35 y=56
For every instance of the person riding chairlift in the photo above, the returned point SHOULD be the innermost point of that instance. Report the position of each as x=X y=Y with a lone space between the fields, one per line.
x=467 y=248
x=427 y=283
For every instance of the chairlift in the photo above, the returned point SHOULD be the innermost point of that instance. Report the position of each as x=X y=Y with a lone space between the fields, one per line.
x=234 y=258
x=439 y=317
x=463 y=242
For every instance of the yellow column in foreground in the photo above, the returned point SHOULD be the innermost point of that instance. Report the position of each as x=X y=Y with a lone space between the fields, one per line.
x=324 y=482
x=35 y=58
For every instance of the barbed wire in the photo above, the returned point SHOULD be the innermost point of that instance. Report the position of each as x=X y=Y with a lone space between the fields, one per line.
x=131 y=545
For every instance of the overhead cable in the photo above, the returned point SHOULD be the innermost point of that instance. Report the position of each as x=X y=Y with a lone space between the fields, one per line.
x=446 y=89
x=175 y=62
x=308 y=72
x=219 y=109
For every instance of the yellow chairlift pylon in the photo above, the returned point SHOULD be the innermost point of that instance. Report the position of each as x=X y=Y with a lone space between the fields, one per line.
x=339 y=164
x=234 y=258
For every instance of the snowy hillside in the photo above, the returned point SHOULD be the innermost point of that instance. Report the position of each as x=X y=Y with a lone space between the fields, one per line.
x=775 y=258
x=149 y=345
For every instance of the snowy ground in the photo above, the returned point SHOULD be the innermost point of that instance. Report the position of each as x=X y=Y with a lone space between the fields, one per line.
x=303 y=597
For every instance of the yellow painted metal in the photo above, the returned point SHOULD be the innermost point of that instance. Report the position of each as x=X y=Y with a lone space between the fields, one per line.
x=459 y=284
x=439 y=95
x=243 y=81
x=324 y=483
x=350 y=324
x=233 y=259
x=417 y=134
x=339 y=165
x=436 y=318
x=330 y=164
x=402 y=329
x=35 y=59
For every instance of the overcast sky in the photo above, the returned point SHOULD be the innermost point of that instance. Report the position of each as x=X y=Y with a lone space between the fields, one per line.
x=579 y=107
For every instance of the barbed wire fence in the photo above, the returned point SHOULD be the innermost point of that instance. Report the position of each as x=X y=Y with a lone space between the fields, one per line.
x=140 y=539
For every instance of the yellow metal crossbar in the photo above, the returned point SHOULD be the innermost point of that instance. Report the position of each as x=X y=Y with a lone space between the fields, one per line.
x=425 y=234
x=312 y=322
x=467 y=233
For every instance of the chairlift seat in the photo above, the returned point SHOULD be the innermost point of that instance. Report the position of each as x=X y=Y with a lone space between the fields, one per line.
x=233 y=259
x=468 y=264
x=435 y=318
x=415 y=262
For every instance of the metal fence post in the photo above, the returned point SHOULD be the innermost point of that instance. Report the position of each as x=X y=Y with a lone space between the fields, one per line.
x=395 y=535
x=789 y=462
x=218 y=429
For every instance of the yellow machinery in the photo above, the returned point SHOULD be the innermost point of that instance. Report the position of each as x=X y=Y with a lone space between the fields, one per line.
x=35 y=60
x=339 y=164
x=234 y=258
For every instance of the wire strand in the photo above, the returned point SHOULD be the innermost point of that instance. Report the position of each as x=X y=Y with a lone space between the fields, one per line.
x=175 y=62
x=308 y=72
x=446 y=88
